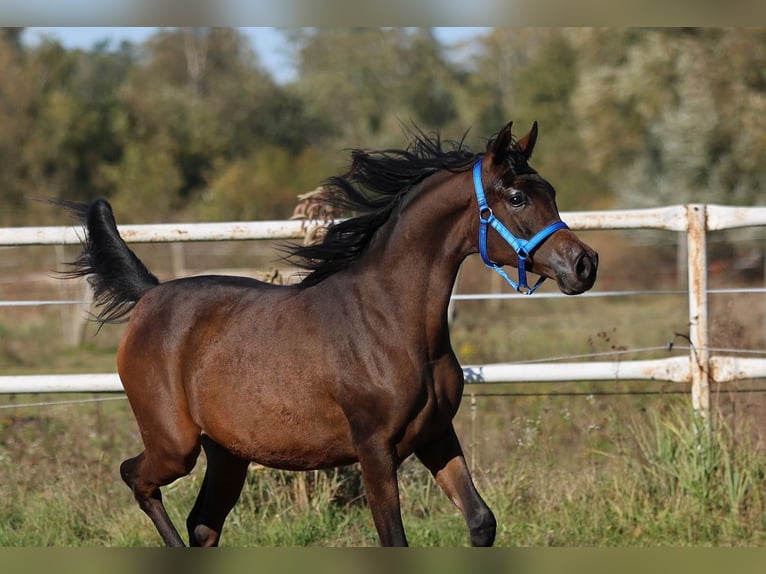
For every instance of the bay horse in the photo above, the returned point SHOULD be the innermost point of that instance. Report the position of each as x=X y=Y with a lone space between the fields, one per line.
x=351 y=364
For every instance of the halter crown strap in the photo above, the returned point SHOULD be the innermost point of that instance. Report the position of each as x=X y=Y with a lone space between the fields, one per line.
x=522 y=247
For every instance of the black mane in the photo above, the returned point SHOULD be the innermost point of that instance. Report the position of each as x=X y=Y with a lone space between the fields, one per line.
x=371 y=190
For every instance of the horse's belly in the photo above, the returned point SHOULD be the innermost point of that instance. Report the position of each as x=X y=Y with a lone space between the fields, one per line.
x=283 y=451
x=294 y=435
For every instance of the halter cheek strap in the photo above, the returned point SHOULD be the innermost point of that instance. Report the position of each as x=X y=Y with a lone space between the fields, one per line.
x=522 y=247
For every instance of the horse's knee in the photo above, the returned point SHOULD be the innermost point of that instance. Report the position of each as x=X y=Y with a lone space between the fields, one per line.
x=482 y=526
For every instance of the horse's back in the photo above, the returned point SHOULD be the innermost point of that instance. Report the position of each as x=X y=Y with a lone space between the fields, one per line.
x=178 y=312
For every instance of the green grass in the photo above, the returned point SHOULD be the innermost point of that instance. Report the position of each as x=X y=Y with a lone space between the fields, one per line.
x=662 y=482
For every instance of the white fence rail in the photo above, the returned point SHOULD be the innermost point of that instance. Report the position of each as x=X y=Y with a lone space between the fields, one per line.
x=699 y=368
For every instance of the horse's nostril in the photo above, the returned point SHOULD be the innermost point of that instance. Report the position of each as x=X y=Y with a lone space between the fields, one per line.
x=585 y=268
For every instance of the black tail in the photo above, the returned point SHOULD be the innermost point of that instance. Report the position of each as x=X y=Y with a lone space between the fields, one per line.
x=116 y=275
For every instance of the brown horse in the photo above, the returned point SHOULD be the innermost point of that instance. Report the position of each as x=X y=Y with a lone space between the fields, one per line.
x=352 y=364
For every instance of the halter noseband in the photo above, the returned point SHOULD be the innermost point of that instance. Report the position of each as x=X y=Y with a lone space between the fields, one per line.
x=523 y=248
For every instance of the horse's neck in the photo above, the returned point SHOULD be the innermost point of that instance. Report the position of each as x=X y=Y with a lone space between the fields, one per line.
x=415 y=258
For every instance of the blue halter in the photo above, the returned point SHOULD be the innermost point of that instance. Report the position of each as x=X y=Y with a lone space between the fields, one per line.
x=523 y=248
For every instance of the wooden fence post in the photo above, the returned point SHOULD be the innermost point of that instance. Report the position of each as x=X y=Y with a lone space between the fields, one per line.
x=696 y=215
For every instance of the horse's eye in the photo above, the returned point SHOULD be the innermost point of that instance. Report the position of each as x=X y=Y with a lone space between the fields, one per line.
x=518 y=199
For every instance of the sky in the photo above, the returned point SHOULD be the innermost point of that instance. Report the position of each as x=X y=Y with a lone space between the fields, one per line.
x=269 y=43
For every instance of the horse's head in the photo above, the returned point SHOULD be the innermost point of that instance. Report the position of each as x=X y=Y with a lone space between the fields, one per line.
x=519 y=219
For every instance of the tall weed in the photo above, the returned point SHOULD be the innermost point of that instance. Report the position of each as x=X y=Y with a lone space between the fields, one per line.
x=708 y=478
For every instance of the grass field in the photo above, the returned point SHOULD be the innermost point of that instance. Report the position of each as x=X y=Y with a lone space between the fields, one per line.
x=596 y=473
x=586 y=464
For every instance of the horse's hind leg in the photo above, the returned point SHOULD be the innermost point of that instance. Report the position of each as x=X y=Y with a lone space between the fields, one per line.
x=220 y=491
x=167 y=457
x=444 y=458
x=144 y=480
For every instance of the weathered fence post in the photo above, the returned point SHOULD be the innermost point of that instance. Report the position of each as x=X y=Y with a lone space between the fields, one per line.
x=696 y=238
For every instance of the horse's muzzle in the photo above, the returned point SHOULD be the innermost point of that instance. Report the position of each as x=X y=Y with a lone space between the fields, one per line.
x=583 y=274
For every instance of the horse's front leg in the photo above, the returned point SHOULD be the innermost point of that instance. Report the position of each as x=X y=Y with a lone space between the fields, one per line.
x=444 y=458
x=378 y=464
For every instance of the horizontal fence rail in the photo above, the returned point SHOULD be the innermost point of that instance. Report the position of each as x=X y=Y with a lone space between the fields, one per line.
x=160 y=233
x=723 y=369
x=697 y=368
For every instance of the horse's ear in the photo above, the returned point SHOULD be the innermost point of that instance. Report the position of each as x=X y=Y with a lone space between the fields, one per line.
x=501 y=144
x=527 y=143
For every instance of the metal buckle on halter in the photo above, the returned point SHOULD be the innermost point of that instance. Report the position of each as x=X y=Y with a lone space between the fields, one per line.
x=522 y=248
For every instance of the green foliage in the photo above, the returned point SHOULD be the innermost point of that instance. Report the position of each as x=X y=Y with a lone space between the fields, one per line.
x=189 y=124
x=355 y=79
x=263 y=185
x=150 y=127
x=680 y=116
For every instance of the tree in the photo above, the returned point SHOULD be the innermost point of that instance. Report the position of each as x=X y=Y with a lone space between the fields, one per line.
x=19 y=97
x=367 y=82
x=56 y=107
x=433 y=82
x=194 y=109
x=678 y=116
x=528 y=75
